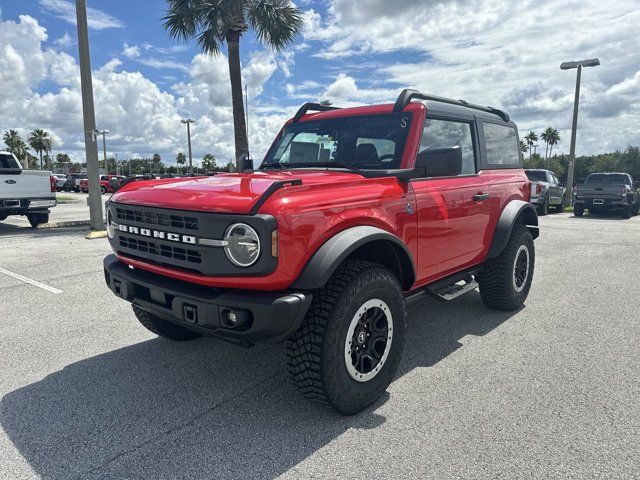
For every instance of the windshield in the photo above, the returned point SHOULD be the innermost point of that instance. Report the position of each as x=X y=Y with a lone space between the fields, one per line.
x=536 y=176
x=363 y=142
x=613 y=179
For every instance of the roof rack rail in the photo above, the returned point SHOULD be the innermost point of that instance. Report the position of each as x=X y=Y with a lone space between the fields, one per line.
x=311 y=107
x=409 y=94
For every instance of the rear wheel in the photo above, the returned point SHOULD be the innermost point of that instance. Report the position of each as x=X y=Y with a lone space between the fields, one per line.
x=635 y=209
x=36 y=219
x=103 y=190
x=578 y=210
x=627 y=212
x=163 y=328
x=348 y=348
x=544 y=206
x=505 y=280
x=560 y=208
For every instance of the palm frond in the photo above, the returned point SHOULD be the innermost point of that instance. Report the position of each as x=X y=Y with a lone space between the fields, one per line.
x=181 y=19
x=276 y=22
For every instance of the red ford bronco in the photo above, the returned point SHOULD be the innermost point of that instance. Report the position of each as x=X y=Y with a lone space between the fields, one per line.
x=352 y=213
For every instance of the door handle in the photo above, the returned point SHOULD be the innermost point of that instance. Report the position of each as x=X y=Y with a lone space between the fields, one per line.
x=481 y=197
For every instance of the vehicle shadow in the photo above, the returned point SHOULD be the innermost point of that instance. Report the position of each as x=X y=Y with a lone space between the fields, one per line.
x=599 y=216
x=202 y=409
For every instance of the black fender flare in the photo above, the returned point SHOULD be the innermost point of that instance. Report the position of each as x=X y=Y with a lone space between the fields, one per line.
x=334 y=251
x=516 y=211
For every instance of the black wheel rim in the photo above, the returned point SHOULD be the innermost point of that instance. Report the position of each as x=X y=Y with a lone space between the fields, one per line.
x=368 y=340
x=521 y=268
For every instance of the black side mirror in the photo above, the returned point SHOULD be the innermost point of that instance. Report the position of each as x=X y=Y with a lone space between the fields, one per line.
x=245 y=164
x=440 y=162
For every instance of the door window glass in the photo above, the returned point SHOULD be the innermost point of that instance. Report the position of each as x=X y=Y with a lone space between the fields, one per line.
x=438 y=134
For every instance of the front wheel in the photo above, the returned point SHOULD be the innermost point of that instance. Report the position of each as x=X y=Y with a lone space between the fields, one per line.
x=348 y=348
x=578 y=210
x=103 y=190
x=36 y=219
x=505 y=281
x=627 y=212
x=635 y=209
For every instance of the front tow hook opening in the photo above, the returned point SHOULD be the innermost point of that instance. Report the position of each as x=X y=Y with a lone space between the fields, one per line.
x=190 y=313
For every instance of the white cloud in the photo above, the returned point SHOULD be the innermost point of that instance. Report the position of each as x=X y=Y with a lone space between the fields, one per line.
x=130 y=51
x=64 y=41
x=66 y=10
x=506 y=54
x=142 y=117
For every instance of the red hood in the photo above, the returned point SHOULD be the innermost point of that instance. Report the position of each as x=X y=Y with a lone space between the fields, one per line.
x=227 y=193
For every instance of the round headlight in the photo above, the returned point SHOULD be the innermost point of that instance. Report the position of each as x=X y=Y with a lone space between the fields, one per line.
x=243 y=245
x=109 y=224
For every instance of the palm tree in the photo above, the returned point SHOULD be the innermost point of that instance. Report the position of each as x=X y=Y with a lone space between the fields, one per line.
x=531 y=138
x=180 y=160
x=41 y=142
x=208 y=162
x=523 y=146
x=546 y=136
x=553 y=140
x=212 y=23
x=17 y=146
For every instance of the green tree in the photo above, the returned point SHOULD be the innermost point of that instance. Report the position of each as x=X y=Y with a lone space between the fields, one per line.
x=554 y=139
x=16 y=145
x=531 y=138
x=523 y=146
x=41 y=142
x=209 y=163
x=213 y=23
x=180 y=160
x=546 y=136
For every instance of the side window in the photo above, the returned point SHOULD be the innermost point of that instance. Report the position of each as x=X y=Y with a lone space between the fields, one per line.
x=501 y=142
x=439 y=134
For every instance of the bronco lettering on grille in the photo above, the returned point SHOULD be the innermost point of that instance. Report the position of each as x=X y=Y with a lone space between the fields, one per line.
x=147 y=232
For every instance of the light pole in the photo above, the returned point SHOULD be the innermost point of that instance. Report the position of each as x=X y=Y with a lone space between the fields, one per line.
x=592 y=62
x=89 y=118
x=188 y=122
x=104 y=148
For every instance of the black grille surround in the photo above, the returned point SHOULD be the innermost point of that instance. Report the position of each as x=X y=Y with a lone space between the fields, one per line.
x=193 y=258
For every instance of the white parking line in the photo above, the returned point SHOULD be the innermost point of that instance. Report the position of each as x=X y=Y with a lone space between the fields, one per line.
x=30 y=281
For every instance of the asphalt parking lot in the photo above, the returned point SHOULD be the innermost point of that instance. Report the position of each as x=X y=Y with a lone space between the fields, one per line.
x=550 y=391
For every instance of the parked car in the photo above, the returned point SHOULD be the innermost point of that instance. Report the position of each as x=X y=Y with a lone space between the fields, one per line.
x=352 y=213
x=30 y=193
x=136 y=178
x=546 y=190
x=73 y=182
x=60 y=179
x=108 y=183
x=607 y=192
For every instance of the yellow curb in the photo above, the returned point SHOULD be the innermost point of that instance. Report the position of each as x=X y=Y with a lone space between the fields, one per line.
x=96 y=234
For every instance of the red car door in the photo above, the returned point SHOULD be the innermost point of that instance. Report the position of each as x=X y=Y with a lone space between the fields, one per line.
x=454 y=212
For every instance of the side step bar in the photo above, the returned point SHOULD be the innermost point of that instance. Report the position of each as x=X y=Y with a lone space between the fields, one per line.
x=448 y=288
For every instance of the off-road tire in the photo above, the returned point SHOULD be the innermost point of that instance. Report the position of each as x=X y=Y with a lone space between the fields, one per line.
x=316 y=351
x=496 y=280
x=627 y=212
x=163 y=328
x=578 y=210
x=36 y=219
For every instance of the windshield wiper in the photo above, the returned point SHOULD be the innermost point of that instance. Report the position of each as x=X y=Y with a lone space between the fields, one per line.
x=283 y=166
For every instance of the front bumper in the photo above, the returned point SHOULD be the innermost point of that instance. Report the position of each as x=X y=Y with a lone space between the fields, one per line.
x=271 y=317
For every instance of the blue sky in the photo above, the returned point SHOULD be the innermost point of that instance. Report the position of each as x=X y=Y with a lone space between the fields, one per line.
x=506 y=54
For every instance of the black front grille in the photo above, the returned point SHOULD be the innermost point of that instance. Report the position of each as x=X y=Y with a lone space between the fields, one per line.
x=160 y=251
x=148 y=217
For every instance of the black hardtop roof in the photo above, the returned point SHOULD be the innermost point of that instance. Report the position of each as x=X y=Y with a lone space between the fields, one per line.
x=435 y=105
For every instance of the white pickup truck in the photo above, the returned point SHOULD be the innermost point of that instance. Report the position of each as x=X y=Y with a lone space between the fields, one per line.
x=25 y=192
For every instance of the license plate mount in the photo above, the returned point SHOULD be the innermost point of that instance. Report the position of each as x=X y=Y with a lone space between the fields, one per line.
x=598 y=201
